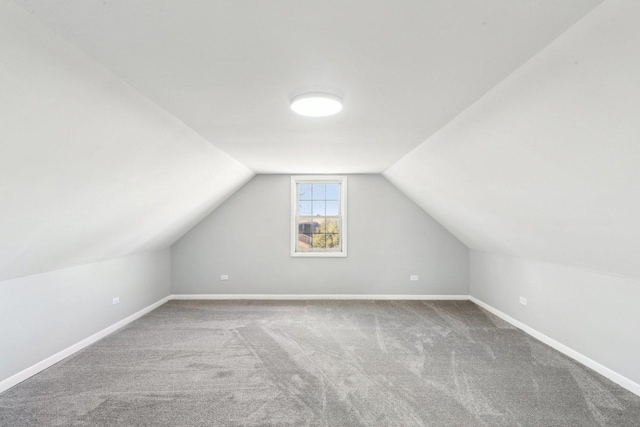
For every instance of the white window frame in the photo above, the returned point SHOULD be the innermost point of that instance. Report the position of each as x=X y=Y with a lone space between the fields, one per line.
x=319 y=179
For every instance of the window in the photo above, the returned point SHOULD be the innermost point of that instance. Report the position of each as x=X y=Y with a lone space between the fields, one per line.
x=318 y=216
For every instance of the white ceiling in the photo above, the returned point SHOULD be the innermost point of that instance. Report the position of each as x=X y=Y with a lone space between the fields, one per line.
x=546 y=166
x=89 y=169
x=227 y=68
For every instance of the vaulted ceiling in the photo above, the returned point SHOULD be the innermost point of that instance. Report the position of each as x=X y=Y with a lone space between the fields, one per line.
x=228 y=68
x=89 y=168
x=512 y=123
x=546 y=166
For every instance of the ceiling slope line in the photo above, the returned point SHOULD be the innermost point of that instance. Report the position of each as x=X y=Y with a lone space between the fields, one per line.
x=494 y=87
x=541 y=167
x=105 y=172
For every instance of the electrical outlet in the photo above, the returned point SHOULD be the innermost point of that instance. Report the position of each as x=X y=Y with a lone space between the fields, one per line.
x=413 y=278
x=224 y=277
x=523 y=301
x=116 y=300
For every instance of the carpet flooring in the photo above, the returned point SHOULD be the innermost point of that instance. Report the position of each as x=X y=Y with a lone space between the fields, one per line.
x=318 y=363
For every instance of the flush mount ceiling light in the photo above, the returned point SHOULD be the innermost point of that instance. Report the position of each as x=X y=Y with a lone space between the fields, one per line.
x=316 y=104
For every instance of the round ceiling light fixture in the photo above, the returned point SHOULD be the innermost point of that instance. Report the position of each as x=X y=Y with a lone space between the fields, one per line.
x=316 y=104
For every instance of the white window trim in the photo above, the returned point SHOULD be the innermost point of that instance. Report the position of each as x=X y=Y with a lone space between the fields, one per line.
x=313 y=179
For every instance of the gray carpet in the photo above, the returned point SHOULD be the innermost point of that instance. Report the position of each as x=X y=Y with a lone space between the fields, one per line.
x=318 y=363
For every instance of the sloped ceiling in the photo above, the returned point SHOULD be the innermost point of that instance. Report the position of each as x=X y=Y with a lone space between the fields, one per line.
x=547 y=164
x=104 y=104
x=227 y=68
x=89 y=168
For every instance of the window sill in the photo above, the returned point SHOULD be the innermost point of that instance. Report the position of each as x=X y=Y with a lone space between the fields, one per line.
x=319 y=254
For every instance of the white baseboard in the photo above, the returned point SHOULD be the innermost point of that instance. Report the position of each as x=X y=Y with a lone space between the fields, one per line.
x=40 y=366
x=52 y=360
x=314 y=297
x=579 y=357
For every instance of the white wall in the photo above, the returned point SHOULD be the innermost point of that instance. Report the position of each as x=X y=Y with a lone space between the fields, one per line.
x=89 y=168
x=389 y=239
x=43 y=314
x=592 y=313
x=546 y=165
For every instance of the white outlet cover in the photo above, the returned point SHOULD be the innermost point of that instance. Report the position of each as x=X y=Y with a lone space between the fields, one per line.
x=224 y=277
x=116 y=300
x=523 y=301
x=413 y=278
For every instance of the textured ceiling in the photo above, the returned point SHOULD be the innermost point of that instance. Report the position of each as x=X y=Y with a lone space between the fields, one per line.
x=227 y=68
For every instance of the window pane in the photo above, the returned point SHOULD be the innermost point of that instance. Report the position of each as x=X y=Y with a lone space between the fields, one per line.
x=319 y=241
x=333 y=208
x=332 y=225
x=304 y=241
x=333 y=192
x=318 y=208
x=318 y=191
x=306 y=226
x=333 y=241
x=304 y=208
x=304 y=191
